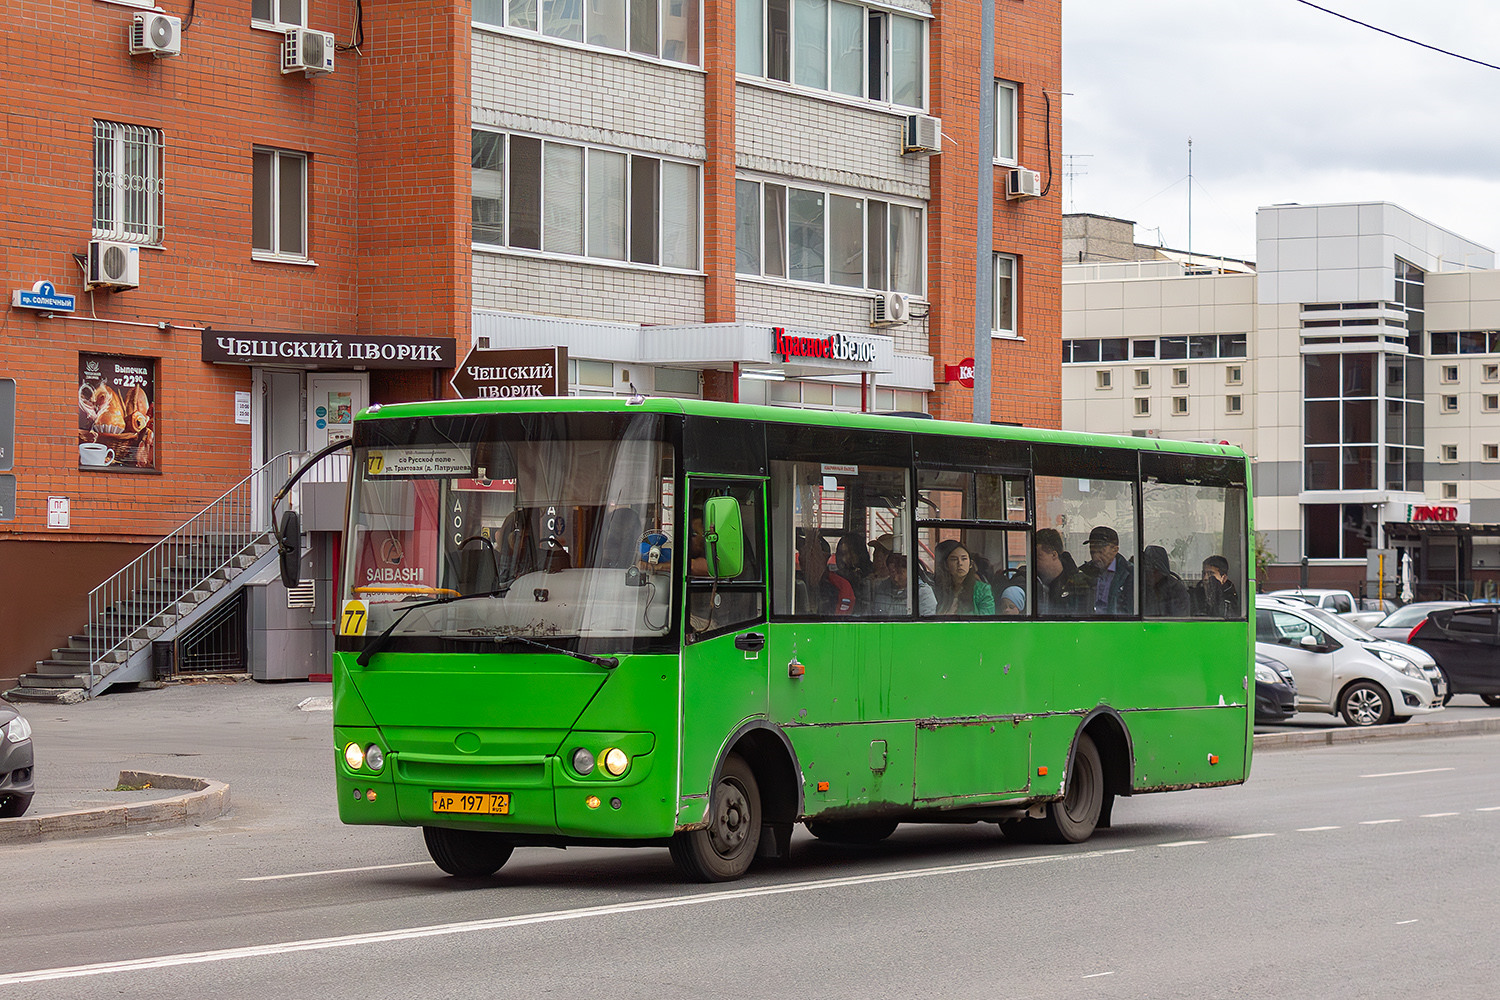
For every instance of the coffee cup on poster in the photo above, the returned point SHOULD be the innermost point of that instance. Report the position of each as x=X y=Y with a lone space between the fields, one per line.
x=95 y=454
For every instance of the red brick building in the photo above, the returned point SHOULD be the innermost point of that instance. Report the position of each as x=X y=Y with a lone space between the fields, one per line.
x=652 y=198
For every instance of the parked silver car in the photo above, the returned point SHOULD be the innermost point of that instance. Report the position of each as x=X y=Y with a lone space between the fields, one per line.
x=16 y=786
x=1343 y=670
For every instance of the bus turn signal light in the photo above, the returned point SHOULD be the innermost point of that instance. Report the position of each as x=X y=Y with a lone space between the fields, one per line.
x=1213 y=758
x=1041 y=772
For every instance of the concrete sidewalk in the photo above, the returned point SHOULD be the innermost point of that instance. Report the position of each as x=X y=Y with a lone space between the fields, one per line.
x=191 y=743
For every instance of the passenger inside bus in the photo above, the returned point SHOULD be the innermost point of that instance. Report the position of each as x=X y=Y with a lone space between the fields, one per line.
x=960 y=589
x=852 y=562
x=1112 y=574
x=1013 y=601
x=1163 y=594
x=820 y=590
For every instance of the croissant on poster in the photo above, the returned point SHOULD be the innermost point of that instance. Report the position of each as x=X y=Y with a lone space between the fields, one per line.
x=103 y=409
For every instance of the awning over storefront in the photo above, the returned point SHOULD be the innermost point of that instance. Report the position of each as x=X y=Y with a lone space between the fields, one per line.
x=789 y=351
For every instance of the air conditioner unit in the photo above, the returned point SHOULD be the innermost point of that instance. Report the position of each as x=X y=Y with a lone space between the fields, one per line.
x=156 y=35
x=1022 y=183
x=113 y=265
x=306 y=51
x=890 y=309
x=923 y=134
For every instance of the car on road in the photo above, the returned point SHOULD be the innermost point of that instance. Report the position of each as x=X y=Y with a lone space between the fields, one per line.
x=1464 y=643
x=1397 y=625
x=16 y=783
x=1275 y=690
x=1342 y=669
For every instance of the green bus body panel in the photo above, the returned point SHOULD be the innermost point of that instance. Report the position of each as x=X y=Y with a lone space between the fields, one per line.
x=888 y=717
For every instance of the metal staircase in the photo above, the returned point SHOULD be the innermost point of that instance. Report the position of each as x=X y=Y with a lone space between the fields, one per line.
x=163 y=593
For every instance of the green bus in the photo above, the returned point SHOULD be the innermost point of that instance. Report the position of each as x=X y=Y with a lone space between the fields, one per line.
x=695 y=624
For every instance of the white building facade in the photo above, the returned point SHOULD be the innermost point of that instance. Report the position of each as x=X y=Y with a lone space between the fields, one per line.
x=1359 y=365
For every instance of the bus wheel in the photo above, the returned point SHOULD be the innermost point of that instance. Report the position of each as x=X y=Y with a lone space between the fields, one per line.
x=467 y=853
x=852 y=831
x=722 y=852
x=1072 y=821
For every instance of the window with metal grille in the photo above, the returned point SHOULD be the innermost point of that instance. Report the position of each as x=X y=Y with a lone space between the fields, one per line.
x=128 y=184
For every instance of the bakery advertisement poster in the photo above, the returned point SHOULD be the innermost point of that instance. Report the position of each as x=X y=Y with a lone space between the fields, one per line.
x=117 y=411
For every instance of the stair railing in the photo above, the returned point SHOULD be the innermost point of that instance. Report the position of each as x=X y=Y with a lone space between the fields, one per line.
x=145 y=597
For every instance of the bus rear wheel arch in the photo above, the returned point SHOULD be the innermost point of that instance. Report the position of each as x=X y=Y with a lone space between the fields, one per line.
x=467 y=853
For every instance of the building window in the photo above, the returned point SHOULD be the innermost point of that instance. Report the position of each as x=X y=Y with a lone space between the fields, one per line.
x=841 y=48
x=1450 y=373
x=1143 y=378
x=1143 y=406
x=1492 y=453
x=1179 y=376
x=1007 y=119
x=823 y=237
x=579 y=201
x=128 y=185
x=279 y=13
x=1337 y=531
x=1450 y=491
x=1450 y=404
x=1492 y=373
x=1449 y=453
x=1234 y=375
x=1143 y=348
x=1102 y=379
x=1006 y=268
x=1179 y=405
x=660 y=29
x=278 y=226
x=1491 y=403
x=1234 y=404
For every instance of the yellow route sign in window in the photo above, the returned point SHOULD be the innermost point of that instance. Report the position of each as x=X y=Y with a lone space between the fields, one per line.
x=354 y=619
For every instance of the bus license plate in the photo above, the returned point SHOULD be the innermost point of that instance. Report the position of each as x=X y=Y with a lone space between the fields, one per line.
x=480 y=803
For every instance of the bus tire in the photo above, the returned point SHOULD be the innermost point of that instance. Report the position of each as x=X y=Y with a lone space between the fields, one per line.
x=722 y=851
x=851 y=831
x=467 y=853
x=1072 y=819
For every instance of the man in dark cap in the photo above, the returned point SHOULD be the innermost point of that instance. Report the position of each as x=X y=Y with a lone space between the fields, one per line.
x=1114 y=583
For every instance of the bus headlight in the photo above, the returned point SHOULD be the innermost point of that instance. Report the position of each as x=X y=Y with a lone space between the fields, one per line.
x=616 y=761
x=374 y=757
x=583 y=761
x=354 y=756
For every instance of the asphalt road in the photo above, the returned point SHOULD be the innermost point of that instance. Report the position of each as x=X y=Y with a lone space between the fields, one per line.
x=1352 y=870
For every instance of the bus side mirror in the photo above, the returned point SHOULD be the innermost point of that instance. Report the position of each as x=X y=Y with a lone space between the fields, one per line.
x=723 y=537
x=289 y=543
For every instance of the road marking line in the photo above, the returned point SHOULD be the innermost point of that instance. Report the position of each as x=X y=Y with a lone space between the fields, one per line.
x=501 y=923
x=1400 y=923
x=1488 y=809
x=336 y=871
x=1317 y=829
x=1183 y=843
x=1377 y=822
x=1096 y=975
x=1436 y=815
x=1402 y=774
x=1251 y=836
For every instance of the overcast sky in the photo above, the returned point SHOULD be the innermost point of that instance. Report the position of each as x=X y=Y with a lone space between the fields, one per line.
x=1284 y=103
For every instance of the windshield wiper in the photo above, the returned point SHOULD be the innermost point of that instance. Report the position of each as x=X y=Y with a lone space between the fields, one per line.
x=607 y=662
x=379 y=642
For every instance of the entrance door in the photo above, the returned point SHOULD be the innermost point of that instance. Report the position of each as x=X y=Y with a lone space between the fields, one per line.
x=332 y=402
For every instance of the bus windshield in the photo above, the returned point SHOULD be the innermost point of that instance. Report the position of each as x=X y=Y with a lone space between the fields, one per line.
x=545 y=530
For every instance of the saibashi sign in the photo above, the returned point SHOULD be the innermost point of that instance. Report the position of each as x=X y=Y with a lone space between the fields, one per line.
x=524 y=373
x=962 y=373
x=833 y=346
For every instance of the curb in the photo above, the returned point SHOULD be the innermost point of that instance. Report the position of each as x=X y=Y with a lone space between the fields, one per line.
x=205 y=800
x=1372 y=734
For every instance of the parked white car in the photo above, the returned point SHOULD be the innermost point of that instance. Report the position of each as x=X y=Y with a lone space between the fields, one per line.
x=1343 y=670
x=1362 y=612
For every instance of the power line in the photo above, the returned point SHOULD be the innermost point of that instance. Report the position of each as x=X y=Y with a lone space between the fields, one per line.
x=1403 y=38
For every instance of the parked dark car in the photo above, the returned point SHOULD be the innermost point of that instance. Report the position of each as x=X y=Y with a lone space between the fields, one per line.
x=1275 y=690
x=16 y=786
x=1465 y=641
x=1397 y=625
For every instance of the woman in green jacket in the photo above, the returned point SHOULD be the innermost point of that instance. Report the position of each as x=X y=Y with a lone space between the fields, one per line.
x=960 y=588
